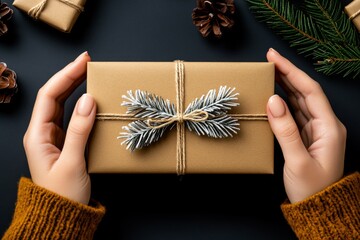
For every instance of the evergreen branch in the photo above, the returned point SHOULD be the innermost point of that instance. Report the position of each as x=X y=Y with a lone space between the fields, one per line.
x=138 y=135
x=321 y=30
x=334 y=23
x=219 y=127
x=292 y=24
x=215 y=104
x=144 y=104
x=340 y=59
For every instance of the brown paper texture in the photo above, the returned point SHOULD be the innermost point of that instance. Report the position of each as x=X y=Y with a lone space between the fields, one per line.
x=352 y=8
x=55 y=13
x=250 y=151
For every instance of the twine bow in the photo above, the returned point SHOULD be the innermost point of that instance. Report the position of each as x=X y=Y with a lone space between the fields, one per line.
x=141 y=131
x=35 y=11
x=194 y=116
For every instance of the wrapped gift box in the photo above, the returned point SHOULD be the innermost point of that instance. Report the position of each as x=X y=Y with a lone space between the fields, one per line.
x=249 y=151
x=353 y=11
x=60 y=14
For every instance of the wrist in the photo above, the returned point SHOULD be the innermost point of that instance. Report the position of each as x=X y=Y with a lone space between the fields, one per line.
x=41 y=213
x=335 y=209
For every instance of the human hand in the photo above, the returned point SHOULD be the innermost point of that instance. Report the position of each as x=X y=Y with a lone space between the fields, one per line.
x=313 y=144
x=56 y=160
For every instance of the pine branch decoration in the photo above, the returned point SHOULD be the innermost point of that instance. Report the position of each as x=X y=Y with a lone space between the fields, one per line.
x=292 y=24
x=332 y=20
x=215 y=104
x=205 y=116
x=144 y=104
x=335 y=58
x=319 y=29
x=140 y=135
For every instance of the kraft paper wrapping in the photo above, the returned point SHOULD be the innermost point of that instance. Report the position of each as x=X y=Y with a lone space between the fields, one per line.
x=353 y=11
x=55 y=13
x=250 y=151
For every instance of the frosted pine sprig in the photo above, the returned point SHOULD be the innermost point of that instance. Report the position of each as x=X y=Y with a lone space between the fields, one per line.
x=219 y=127
x=215 y=104
x=147 y=106
x=138 y=135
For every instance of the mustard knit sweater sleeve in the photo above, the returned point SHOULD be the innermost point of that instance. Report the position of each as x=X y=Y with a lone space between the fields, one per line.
x=333 y=213
x=41 y=214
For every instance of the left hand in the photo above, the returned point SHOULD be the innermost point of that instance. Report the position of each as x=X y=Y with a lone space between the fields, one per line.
x=56 y=160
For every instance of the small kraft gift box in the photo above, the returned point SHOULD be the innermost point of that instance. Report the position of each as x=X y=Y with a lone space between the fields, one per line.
x=353 y=11
x=60 y=14
x=181 y=117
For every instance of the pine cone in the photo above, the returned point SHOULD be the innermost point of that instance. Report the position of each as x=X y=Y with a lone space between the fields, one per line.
x=5 y=15
x=213 y=16
x=8 y=86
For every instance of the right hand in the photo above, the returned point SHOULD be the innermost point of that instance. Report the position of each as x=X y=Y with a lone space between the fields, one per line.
x=313 y=144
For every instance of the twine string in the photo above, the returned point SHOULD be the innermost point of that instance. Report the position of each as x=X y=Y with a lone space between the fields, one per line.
x=75 y=6
x=249 y=117
x=354 y=15
x=180 y=93
x=35 y=11
x=117 y=117
x=130 y=117
x=195 y=116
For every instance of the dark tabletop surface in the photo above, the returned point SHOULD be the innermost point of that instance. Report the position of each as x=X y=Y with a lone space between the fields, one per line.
x=158 y=206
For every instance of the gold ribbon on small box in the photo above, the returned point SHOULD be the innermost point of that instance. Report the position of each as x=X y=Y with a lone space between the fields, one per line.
x=152 y=116
x=353 y=11
x=356 y=6
x=35 y=11
x=354 y=15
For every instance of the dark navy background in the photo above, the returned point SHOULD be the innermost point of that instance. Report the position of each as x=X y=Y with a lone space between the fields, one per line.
x=158 y=206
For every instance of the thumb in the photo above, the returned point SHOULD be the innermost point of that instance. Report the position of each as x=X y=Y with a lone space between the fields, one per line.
x=80 y=127
x=286 y=131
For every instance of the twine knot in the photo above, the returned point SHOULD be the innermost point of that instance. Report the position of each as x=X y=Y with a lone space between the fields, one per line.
x=194 y=116
x=35 y=11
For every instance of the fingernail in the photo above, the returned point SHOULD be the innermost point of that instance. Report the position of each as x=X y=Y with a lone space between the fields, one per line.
x=273 y=50
x=81 y=55
x=276 y=106
x=85 y=105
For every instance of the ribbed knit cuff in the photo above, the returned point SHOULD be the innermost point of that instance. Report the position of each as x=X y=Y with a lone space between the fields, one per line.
x=333 y=213
x=41 y=214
